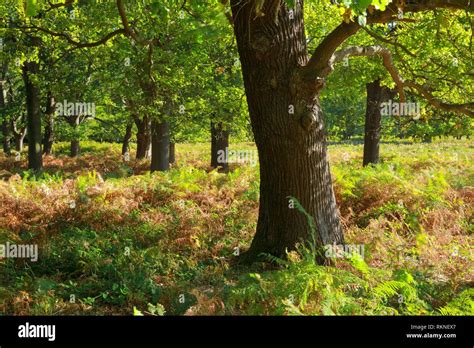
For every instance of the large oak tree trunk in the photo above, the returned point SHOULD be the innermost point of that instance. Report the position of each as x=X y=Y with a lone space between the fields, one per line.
x=35 y=159
x=376 y=95
x=288 y=128
x=143 y=137
x=160 y=146
x=49 y=126
x=219 y=147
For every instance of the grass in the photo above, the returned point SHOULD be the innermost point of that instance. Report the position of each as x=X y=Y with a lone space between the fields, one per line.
x=117 y=240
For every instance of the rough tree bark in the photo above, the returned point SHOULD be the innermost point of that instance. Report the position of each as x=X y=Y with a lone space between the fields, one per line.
x=376 y=95
x=35 y=159
x=160 y=146
x=219 y=145
x=143 y=136
x=283 y=85
x=288 y=128
x=49 y=126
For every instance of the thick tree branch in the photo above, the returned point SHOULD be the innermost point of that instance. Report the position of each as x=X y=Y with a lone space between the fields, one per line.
x=320 y=58
x=467 y=108
x=126 y=25
x=318 y=63
x=373 y=51
x=130 y=31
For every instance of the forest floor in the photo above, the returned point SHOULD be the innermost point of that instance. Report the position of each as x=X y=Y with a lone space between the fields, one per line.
x=116 y=240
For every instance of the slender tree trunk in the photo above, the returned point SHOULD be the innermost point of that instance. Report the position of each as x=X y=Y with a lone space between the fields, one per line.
x=376 y=95
x=160 y=146
x=35 y=159
x=213 y=146
x=172 y=153
x=372 y=123
x=49 y=127
x=75 y=148
x=75 y=143
x=6 y=134
x=126 y=138
x=19 y=140
x=19 y=131
x=219 y=147
x=18 y=144
x=143 y=137
x=6 y=138
x=288 y=128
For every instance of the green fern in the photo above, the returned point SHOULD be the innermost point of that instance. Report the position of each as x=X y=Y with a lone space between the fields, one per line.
x=311 y=224
x=463 y=304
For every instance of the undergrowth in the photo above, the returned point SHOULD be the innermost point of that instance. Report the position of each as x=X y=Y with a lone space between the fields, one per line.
x=115 y=239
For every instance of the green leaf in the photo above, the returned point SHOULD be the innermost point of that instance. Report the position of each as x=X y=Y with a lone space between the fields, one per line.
x=136 y=312
x=381 y=4
x=31 y=8
x=363 y=4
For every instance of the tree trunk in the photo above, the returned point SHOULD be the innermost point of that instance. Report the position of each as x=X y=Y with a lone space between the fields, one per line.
x=35 y=159
x=19 y=140
x=126 y=138
x=18 y=143
x=75 y=121
x=288 y=128
x=376 y=95
x=219 y=147
x=5 y=126
x=372 y=123
x=49 y=127
x=143 y=137
x=160 y=146
x=75 y=148
x=172 y=153
x=6 y=137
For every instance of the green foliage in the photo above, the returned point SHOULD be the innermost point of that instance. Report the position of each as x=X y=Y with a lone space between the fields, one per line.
x=142 y=240
x=305 y=288
x=134 y=242
x=462 y=304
